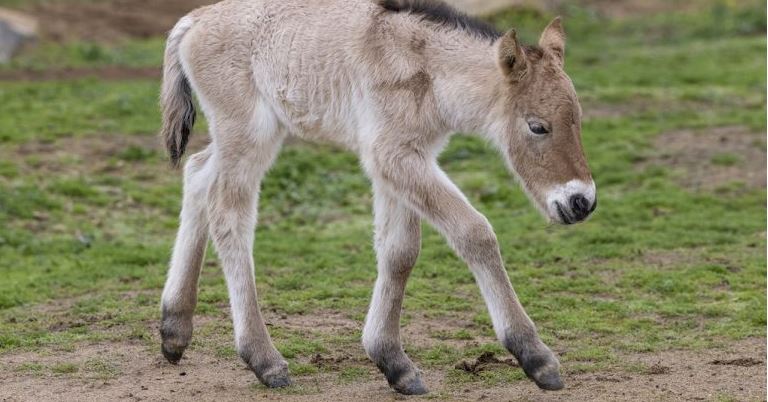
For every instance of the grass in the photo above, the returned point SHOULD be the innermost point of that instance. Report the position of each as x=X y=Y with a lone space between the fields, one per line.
x=65 y=368
x=129 y=54
x=725 y=159
x=84 y=240
x=76 y=108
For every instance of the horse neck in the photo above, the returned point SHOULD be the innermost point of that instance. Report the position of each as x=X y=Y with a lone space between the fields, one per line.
x=467 y=82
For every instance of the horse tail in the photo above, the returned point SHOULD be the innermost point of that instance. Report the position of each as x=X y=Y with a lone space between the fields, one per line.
x=176 y=102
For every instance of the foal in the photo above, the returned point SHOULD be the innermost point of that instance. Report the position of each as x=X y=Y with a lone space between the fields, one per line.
x=389 y=80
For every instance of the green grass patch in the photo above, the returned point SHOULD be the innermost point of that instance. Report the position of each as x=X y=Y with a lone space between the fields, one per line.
x=84 y=244
x=725 y=159
x=65 y=368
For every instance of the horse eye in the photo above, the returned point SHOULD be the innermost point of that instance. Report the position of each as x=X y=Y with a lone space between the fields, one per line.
x=537 y=128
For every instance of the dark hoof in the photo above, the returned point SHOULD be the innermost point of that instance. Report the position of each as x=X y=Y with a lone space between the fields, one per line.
x=274 y=375
x=400 y=372
x=175 y=333
x=536 y=359
x=549 y=381
x=276 y=381
x=172 y=355
x=544 y=370
x=413 y=386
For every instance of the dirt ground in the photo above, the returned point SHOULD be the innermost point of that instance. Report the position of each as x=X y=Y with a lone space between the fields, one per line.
x=628 y=8
x=736 y=371
x=133 y=370
x=111 y=20
x=711 y=158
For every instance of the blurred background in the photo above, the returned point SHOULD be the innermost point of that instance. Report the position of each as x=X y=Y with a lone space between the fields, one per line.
x=660 y=295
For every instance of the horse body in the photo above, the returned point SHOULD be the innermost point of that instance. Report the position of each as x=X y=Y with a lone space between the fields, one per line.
x=390 y=81
x=326 y=70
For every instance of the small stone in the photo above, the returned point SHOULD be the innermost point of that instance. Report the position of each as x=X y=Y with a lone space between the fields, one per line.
x=16 y=29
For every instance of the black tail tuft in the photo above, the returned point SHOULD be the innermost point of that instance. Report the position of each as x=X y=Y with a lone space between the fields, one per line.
x=180 y=122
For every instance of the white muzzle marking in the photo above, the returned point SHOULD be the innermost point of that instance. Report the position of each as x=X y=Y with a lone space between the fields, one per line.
x=561 y=195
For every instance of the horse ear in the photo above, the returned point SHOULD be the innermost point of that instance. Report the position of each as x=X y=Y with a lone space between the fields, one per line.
x=553 y=40
x=512 y=59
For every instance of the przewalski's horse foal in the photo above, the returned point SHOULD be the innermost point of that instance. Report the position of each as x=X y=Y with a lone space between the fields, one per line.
x=389 y=80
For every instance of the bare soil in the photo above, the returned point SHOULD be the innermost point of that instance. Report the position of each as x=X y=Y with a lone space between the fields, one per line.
x=134 y=371
x=712 y=158
x=112 y=20
x=630 y=8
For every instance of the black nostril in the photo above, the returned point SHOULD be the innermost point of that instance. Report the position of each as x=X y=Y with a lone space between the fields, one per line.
x=580 y=206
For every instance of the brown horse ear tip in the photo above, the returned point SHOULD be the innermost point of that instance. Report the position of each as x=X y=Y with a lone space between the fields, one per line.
x=512 y=34
x=557 y=22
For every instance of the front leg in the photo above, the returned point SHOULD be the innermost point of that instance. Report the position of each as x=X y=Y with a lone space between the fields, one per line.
x=420 y=184
x=397 y=242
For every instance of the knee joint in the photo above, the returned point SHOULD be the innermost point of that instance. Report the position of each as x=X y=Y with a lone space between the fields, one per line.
x=402 y=260
x=478 y=238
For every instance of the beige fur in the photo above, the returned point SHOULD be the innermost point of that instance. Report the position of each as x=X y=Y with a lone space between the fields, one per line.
x=391 y=87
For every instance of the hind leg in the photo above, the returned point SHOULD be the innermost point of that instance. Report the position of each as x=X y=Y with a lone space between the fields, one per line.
x=242 y=159
x=180 y=292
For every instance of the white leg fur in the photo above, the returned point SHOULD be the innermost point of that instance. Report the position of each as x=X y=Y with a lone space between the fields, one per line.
x=189 y=249
x=233 y=202
x=180 y=292
x=397 y=243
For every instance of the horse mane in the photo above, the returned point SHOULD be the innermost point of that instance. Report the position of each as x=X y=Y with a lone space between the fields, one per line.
x=442 y=14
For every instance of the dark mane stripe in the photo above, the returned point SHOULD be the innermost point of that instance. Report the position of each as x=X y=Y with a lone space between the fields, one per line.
x=440 y=13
